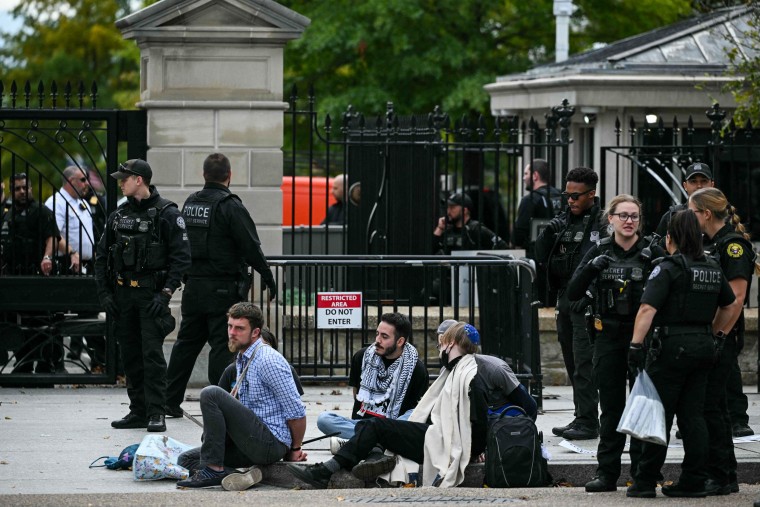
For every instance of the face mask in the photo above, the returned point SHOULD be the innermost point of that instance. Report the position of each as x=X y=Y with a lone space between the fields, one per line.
x=443 y=355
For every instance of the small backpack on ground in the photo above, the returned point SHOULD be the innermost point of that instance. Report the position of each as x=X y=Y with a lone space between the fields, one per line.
x=513 y=454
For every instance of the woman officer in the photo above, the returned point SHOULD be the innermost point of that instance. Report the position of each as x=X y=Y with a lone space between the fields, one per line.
x=731 y=247
x=681 y=297
x=618 y=267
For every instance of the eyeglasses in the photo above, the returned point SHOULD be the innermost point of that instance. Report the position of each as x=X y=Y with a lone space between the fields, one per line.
x=576 y=195
x=624 y=217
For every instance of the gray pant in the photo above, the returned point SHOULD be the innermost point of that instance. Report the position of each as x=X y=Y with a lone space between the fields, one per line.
x=233 y=436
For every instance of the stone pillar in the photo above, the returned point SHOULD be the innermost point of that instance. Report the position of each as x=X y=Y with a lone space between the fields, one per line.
x=211 y=78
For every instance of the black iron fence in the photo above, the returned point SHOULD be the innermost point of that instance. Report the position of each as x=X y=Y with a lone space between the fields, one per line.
x=493 y=293
x=56 y=150
x=398 y=172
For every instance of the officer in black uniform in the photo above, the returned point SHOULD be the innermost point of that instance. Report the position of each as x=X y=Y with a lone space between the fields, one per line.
x=681 y=297
x=731 y=248
x=559 y=249
x=457 y=231
x=698 y=175
x=140 y=262
x=542 y=201
x=224 y=242
x=610 y=281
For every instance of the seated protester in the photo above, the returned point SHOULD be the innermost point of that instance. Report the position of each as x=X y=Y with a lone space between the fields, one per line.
x=388 y=380
x=227 y=380
x=450 y=417
x=261 y=421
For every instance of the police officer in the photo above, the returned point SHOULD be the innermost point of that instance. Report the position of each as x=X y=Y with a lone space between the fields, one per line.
x=613 y=275
x=681 y=297
x=731 y=248
x=457 y=231
x=559 y=249
x=542 y=201
x=140 y=261
x=224 y=242
x=698 y=175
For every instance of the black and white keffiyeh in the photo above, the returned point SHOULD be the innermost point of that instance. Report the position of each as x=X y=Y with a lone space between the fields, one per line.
x=382 y=390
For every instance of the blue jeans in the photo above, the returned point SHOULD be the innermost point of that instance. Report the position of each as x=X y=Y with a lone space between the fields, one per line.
x=330 y=422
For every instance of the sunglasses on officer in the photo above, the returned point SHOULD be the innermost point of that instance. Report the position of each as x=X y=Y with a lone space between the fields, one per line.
x=576 y=195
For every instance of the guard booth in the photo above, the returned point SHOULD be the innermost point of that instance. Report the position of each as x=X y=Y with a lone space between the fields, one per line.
x=43 y=315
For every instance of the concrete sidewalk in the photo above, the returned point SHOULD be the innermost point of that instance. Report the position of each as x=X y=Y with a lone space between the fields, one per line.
x=48 y=437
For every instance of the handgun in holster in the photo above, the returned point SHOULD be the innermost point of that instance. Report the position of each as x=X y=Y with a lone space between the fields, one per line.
x=655 y=346
x=244 y=285
x=593 y=319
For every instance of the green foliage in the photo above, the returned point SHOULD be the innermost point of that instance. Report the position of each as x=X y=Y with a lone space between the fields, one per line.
x=73 y=40
x=745 y=66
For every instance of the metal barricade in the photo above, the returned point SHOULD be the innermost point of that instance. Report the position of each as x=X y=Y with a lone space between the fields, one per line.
x=493 y=293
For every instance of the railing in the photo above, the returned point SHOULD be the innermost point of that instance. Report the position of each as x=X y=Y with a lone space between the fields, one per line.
x=493 y=293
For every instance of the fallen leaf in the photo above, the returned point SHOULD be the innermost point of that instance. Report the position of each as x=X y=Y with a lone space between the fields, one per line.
x=7 y=418
x=3 y=462
x=340 y=498
x=336 y=392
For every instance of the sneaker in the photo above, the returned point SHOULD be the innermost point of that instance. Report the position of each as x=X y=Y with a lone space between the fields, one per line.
x=599 y=484
x=677 y=490
x=376 y=464
x=157 y=423
x=559 y=430
x=130 y=421
x=240 y=481
x=640 y=491
x=336 y=443
x=579 y=432
x=733 y=486
x=714 y=489
x=173 y=411
x=315 y=475
x=205 y=478
x=741 y=430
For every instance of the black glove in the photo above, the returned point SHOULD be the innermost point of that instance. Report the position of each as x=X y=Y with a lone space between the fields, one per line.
x=109 y=305
x=159 y=304
x=272 y=286
x=600 y=262
x=637 y=358
x=555 y=225
x=580 y=305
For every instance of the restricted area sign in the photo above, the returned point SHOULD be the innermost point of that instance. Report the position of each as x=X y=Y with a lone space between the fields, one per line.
x=339 y=310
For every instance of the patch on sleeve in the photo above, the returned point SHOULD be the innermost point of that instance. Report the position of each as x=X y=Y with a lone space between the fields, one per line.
x=655 y=272
x=735 y=250
x=180 y=222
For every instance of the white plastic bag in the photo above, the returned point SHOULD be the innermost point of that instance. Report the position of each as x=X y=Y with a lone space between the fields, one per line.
x=644 y=415
x=156 y=458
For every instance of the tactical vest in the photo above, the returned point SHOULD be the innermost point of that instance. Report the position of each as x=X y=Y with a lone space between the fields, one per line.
x=18 y=242
x=695 y=299
x=468 y=238
x=720 y=247
x=207 y=241
x=547 y=202
x=621 y=285
x=566 y=255
x=138 y=246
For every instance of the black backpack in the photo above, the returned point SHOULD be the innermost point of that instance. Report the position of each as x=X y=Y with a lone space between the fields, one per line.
x=513 y=454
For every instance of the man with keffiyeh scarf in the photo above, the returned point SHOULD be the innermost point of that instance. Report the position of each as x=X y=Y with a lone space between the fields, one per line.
x=388 y=380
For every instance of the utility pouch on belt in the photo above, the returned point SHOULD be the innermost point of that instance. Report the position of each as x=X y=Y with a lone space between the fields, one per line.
x=117 y=262
x=655 y=346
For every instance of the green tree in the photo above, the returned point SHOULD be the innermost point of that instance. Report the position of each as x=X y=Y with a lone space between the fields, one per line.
x=422 y=53
x=745 y=66
x=73 y=40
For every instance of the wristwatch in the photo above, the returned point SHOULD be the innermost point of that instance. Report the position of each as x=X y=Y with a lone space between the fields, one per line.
x=47 y=258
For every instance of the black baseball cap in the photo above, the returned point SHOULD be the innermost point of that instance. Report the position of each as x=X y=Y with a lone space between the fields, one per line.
x=698 y=168
x=460 y=199
x=134 y=167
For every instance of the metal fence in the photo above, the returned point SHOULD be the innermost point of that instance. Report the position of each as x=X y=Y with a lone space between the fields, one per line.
x=44 y=130
x=493 y=293
x=400 y=169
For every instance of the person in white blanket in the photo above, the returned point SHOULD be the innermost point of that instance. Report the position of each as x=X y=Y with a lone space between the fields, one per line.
x=447 y=429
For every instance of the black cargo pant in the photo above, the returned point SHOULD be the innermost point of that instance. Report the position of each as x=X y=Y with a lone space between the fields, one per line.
x=204 y=319
x=611 y=378
x=141 y=340
x=721 y=463
x=679 y=374
x=401 y=437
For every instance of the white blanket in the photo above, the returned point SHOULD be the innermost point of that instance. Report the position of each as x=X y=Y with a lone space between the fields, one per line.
x=449 y=439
